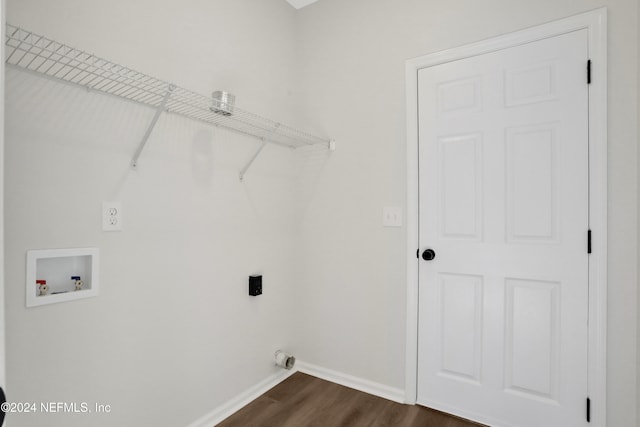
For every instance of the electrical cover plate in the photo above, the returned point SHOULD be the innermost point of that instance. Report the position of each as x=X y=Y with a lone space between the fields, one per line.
x=112 y=217
x=392 y=216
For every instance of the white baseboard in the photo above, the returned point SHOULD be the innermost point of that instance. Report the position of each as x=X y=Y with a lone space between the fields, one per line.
x=235 y=404
x=370 y=387
x=243 y=399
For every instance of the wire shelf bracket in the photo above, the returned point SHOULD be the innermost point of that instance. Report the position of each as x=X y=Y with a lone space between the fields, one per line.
x=255 y=155
x=253 y=158
x=154 y=120
x=44 y=56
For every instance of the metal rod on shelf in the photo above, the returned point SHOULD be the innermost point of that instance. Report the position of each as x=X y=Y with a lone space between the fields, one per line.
x=156 y=116
x=257 y=153
x=255 y=156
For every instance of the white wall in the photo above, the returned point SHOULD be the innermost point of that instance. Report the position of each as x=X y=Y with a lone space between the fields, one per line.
x=2 y=241
x=173 y=333
x=193 y=232
x=638 y=264
x=352 y=57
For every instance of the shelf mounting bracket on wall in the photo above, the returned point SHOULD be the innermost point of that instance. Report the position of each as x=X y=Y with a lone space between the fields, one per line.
x=250 y=162
x=257 y=153
x=154 y=120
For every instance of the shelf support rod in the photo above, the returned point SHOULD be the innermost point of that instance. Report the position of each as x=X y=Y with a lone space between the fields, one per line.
x=257 y=153
x=255 y=156
x=154 y=120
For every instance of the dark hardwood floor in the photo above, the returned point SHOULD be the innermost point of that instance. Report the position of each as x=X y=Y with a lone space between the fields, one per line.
x=305 y=401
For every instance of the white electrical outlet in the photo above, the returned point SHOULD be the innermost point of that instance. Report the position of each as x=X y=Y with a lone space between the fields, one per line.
x=392 y=216
x=111 y=216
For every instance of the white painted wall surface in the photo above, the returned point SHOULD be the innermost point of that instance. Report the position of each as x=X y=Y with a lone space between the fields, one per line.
x=193 y=232
x=352 y=57
x=638 y=176
x=3 y=322
x=173 y=333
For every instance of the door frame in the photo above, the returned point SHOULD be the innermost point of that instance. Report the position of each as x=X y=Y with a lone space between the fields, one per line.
x=595 y=22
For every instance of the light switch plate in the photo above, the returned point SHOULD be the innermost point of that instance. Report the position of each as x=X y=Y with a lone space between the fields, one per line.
x=392 y=216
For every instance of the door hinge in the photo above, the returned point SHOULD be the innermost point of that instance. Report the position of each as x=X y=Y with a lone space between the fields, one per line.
x=589 y=72
x=588 y=410
x=589 y=241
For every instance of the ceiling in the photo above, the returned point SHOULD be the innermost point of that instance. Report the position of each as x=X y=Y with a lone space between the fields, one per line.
x=298 y=4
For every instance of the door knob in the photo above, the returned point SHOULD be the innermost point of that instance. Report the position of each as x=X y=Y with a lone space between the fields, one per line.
x=428 y=254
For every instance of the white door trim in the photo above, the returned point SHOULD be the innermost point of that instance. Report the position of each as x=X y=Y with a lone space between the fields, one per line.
x=596 y=24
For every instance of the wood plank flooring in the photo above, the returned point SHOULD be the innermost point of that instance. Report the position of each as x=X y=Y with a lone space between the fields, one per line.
x=305 y=401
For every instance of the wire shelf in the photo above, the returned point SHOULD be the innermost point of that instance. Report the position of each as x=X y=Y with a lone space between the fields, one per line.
x=39 y=54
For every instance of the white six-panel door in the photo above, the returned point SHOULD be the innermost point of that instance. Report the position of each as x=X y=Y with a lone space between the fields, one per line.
x=503 y=177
